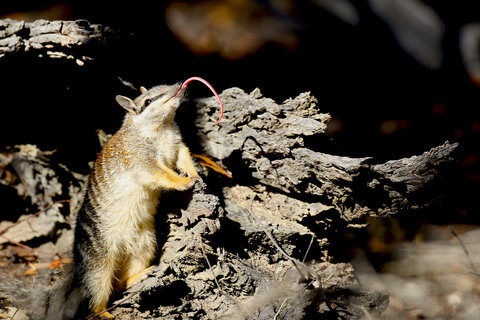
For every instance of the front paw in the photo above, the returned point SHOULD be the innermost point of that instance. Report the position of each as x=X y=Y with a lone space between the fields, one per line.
x=190 y=182
x=194 y=180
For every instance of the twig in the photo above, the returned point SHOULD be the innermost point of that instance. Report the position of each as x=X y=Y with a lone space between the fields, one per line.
x=19 y=244
x=272 y=238
x=308 y=249
x=296 y=263
x=366 y=313
x=265 y=155
x=16 y=311
x=211 y=269
x=32 y=215
x=280 y=249
x=465 y=250
x=127 y=84
x=116 y=304
x=280 y=308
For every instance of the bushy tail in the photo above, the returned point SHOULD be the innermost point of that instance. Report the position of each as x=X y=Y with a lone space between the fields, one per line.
x=60 y=302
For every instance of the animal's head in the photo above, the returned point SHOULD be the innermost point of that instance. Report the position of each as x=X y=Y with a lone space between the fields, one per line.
x=155 y=106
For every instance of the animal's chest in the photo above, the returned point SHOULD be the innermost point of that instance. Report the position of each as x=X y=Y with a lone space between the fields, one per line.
x=167 y=147
x=130 y=208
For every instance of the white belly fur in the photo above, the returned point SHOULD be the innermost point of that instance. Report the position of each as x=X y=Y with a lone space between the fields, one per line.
x=129 y=221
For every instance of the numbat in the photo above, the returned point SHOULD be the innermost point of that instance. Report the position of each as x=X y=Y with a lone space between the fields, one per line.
x=114 y=239
x=115 y=230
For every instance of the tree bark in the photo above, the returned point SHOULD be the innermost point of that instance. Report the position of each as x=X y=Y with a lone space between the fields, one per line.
x=77 y=40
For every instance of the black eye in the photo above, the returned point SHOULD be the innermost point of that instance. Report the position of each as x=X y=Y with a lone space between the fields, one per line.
x=147 y=102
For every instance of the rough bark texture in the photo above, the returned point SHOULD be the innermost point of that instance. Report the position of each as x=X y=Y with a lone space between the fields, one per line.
x=278 y=143
x=260 y=246
x=53 y=39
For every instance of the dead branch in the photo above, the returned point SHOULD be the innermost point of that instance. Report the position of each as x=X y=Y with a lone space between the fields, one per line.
x=72 y=40
x=467 y=254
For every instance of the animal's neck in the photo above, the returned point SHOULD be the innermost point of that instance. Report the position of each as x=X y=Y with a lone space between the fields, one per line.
x=151 y=129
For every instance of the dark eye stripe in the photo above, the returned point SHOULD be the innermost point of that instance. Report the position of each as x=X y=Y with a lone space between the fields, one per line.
x=148 y=101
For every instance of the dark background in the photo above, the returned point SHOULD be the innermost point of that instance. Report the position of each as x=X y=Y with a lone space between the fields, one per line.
x=384 y=102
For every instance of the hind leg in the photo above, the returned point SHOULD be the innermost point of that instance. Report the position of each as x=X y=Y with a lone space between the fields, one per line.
x=137 y=277
x=138 y=268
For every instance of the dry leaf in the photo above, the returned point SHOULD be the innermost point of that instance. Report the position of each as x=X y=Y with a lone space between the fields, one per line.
x=59 y=263
x=25 y=253
x=31 y=271
x=209 y=163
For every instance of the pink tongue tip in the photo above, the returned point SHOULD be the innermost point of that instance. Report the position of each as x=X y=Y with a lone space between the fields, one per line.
x=186 y=82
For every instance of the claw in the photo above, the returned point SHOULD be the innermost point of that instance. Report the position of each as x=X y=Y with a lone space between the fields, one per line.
x=136 y=278
x=106 y=315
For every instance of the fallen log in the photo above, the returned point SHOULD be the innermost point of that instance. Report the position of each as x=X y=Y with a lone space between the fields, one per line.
x=258 y=246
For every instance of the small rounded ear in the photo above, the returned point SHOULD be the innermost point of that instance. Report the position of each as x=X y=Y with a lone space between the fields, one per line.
x=127 y=104
x=143 y=89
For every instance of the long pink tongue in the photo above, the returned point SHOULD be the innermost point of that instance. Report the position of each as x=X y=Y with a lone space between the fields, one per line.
x=186 y=82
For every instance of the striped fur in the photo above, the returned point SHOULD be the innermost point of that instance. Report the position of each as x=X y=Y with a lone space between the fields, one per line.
x=115 y=230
